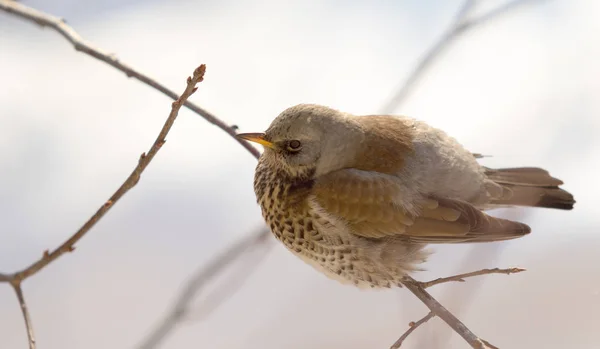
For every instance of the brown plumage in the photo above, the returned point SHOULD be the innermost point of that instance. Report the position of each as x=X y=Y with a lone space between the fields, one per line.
x=530 y=186
x=359 y=197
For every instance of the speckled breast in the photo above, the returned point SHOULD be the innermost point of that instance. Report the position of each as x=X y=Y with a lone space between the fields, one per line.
x=286 y=211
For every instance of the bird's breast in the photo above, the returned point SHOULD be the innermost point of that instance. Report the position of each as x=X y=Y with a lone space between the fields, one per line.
x=283 y=204
x=310 y=234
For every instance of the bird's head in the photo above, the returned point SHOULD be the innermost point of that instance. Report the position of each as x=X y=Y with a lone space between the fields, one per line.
x=308 y=140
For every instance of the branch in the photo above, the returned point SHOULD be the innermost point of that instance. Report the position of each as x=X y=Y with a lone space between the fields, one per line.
x=411 y=327
x=459 y=26
x=5 y=277
x=130 y=182
x=181 y=307
x=16 y=278
x=235 y=281
x=415 y=287
x=28 y=326
x=493 y=14
x=461 y=277
x=59 y=25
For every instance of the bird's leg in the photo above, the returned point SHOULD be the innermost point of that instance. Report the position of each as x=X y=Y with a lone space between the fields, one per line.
x=462 y=277
x=437 y=309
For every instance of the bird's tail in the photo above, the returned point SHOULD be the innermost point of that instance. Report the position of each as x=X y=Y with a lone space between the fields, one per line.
x=530 y=186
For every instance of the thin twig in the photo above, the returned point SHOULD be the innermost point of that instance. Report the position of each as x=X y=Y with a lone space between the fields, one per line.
x=460 y=300
x=234 y=282
x=461 y=277
x=26 y=317
x=15 y=279
x=79 y=44
x=460 y=26
x=59 y=25
x=130 y=182
x=415 y=287
x=488 y=344
x=411 y=327
x=181 y=307
x=5 y=277
x=495 y=13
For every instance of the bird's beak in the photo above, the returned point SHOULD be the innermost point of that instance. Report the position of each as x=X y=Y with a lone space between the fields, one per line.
x=256 y=138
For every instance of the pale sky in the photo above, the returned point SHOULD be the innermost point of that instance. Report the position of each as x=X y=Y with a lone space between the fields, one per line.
x=522 y=88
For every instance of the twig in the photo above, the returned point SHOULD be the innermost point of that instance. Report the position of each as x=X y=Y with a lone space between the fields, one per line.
x=5 y=277
x=495 y=13
x=28 y=326
x=235 y=281
x=415 y=287
x=59 y=25
x=411 y=327
x=16 y=278
x=130 y=182
x=460 y=300
x=461 y=277
x=488 y=344
x=181 y=307
x=460 y=26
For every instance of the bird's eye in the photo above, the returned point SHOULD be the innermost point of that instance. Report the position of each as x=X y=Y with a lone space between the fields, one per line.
x=294 y=145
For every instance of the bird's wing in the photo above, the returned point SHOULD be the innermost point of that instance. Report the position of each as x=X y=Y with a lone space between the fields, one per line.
x=367 y=202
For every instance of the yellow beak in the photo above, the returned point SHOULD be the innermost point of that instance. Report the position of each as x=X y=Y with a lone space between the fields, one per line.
x=256 y=138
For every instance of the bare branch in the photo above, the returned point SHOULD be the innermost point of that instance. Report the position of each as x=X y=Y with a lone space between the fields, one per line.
x=488 y=344
x=411 y=327
x=415 y=287
x=460 y=300
x=5 y=277
x=234 y=282
x=28 y=326
x=460 y=26
x=59 y=25
x=181 y=307
x=463 y=12
x=130 y=182
x=68 y=246
x=461 y=277
x=495 y=13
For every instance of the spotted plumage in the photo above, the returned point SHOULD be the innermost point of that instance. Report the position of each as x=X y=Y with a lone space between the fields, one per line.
x=359 y=198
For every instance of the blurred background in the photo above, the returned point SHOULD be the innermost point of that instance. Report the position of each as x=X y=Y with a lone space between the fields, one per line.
x=522 y=87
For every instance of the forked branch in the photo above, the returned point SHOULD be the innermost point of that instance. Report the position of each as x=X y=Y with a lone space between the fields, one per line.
x=436 y=309
x=440 y=311
x=460 y=26
x=15 y=279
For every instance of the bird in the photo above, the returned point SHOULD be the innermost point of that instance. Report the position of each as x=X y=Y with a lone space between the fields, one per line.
x=360 y=198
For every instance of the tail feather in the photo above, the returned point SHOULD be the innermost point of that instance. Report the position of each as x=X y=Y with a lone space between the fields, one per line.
x=530 y=186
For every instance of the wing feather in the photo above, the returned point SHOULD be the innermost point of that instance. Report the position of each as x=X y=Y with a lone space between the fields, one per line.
x=370 y=204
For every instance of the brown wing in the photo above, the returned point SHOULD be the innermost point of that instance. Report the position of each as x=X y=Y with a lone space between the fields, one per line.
x=368 y=202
